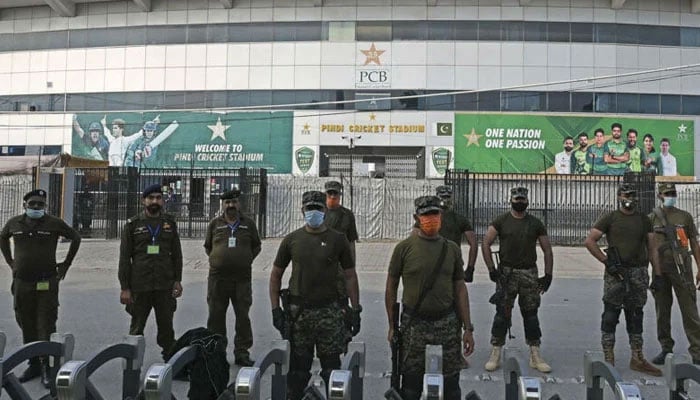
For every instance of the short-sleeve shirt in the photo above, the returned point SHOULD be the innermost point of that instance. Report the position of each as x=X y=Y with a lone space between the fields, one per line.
x=315 y=257
x=595 y=157
x=232 y=262
x=454 y=225
x=674 y=217
x=579 y=165
x=613 y=149
x=628 y=233
x=342 y=220
x=635 y=162
x=35 y=244
x=518 y=240
x=414 y=259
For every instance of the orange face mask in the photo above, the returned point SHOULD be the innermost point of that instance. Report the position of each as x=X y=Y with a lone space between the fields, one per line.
x=332 y=202
x=429 y=224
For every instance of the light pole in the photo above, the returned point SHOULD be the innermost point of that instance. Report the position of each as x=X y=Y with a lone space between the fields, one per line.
x=351 y=145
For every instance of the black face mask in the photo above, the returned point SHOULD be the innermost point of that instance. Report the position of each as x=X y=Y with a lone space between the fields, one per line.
x=519 y=207
x=568 y=148
x=153 y=208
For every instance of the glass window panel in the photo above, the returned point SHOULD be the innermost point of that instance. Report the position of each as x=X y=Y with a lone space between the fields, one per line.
x=239 y=33
x=217 y=33
x=409 y=30
x=604 y=33
x=581 y=32
x=238 y=98
x=691 y=105
x=466 y=30
x=512 y=30
x=166 y=34
x=558 y=32
x=57 y=103
x=606 y=102
x=445 y=102
x=174 y=100
x=260 y=32
x=75 y=102
x=195 y=99
x=489 y=30
x=441 y=30
x=581 y=102
x=670 y=104
x=628 y=103
x=628 y=34
x=196 y=34
x=94 y=102
x=369 y=31
x=490 y=101
x=341 y=31
x=114 y=101
x=407 y=104
x=284 y=31
x=689 y=37
x=649 y=103
x=535 y=31
x=136 y=36
x=261 y=98
x=7 y=42
x=108 y=37
x=309 y=31
x=660 y=35
x=154 y=100
x=534 y=101
x=78 y=38
x=133 y=101
x=216 y=99
x=558 y=101
x=283 y=97
x=466 y=101
x=308 y=96
x=512 y=101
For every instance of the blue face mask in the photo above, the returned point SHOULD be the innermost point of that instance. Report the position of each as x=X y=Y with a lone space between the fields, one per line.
x=313 y=218
x=34 y=214
x=669 y=201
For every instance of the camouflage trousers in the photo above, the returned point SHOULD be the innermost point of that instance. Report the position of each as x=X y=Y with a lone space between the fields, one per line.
x=629 y=294
x=446 y=331
x=521 y=284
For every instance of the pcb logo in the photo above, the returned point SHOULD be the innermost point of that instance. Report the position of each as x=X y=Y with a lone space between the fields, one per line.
x=305 y=159
x=441 y=160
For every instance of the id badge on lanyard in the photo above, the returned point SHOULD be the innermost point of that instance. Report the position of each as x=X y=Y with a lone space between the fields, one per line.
x=232 y=239
x=153 y=248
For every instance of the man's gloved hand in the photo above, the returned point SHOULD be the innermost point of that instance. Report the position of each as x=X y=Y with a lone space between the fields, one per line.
x=545 y=282
x=279 y=319
x=495 y=275
x=612 y=268
x=469 y=274
x=62 y=269
x=355 y=316
x=657 y=283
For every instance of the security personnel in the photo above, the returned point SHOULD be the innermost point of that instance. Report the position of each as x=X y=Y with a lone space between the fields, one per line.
x=518 y=233
x=150 y=268
x=314 y=318
x=453 y=226
x=680 y=279
x=232 y=243
x=342 y=220
x=630 y=246
x=442 y=316
x=35 y=272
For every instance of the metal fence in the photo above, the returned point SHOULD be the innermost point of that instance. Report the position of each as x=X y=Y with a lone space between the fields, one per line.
x=12 y=189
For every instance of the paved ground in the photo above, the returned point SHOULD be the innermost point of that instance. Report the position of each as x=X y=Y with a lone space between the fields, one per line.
x=570 y=318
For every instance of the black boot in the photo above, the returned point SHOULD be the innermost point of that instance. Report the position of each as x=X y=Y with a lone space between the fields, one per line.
x=244 y=361
x=660 y=359
x=45 y=375
x=32 y=371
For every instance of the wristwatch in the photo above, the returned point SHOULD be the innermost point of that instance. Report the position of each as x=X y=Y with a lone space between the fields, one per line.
x=469 y=327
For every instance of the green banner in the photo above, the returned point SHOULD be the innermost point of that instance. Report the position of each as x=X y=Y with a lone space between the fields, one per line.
x=519 y=143
x=187 y=139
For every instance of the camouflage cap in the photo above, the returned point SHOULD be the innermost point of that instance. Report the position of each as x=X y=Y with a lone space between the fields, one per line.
x=333 y=186
x=518 y=192
x=667 y=187
x=313 y=198
x=426 y=204
x=231 y=194
x=626 y=188
x=35 y=192
x=443 y=191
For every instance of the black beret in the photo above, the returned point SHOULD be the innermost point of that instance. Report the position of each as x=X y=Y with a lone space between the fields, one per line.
x=313 y=198
x=426 y=204
x=333 y=186
x=155 y=188
x=231 y=194
x=35 y=192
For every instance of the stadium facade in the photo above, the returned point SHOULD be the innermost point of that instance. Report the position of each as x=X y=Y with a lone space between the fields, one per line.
x=389 y=86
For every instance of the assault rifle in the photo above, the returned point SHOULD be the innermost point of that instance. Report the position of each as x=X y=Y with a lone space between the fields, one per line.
x=286 y=307
x=499 y=297
x=396 y=341
x=672 y=241
x=617 y=270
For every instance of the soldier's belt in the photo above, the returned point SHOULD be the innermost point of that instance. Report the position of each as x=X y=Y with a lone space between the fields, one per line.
x=521 y=267
x=312 y=304
x=436 y=316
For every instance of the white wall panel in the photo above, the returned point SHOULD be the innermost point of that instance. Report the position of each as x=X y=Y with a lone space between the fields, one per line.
x=5 y=63
x=338 y=13
x=135 y=57
x=512 y=54
x=283 y=53
x=371 y=13
x=260 y=54
x=237 y=78
x=238 y=54
x=334 y=77
x=338 y=53
x=441 y=12
x=308 y=54
x=195 y=78
x=260 y=78
x=512 y=13
x=154 y=79
x=307 y=77
x=196 y=55
x=258 y=14
x=216 y=78
x=627 y=56
x=407 y=53
x=441 y=77
x=134 y=80
x=155 y=57
x=535 y=54
x=20 y=61
x=114 y=80
x=177 y=17
x=5 y=83
x=283 y=77
x=75 y=81
x=489 y=77
x=466 y=53
x=511 y=76
x=200 y=16
x=602 y=14
x=217 y=55
x=440 y=53
x=466 y=12
x=284 y=14
x=582 y=15
x=648 y=57
x=489 y=54
x=466 y=77
x=58 y=81
x=605 y=55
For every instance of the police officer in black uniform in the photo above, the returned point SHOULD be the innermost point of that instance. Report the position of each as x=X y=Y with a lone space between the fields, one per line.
x=35 y=273
x=150 y=268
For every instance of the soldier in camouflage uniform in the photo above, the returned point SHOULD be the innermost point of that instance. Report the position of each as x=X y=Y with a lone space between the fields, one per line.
x=626 y=279
x=518 y=233
x=454 y=226
x=443 y=317
x=314 y=319
x=680 y=279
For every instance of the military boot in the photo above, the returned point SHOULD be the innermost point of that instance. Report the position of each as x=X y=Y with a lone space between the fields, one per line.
x=660 y=359
x=536 y=360
x=494 y=361
x=609 y=353
x=639 y=363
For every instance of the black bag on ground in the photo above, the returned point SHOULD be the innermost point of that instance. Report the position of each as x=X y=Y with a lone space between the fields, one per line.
x=209 y=372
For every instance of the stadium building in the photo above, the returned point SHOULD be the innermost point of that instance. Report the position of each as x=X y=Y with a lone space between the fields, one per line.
x=394 y=87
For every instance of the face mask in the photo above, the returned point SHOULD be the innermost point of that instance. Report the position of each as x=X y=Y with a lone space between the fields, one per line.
x=519 y=207
x=568 y=148
x=333 y=202
x=34 y=214
x=153 y=208
x=628 y=204
x=669 y=201
x=313 y=218
x=429 y=224
x=445 y=204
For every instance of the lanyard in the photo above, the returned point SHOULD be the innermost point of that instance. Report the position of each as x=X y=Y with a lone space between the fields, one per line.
x=234 y=226
x=154 y=232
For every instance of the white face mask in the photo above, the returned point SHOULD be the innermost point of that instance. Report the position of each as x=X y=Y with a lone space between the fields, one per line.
x=670 y=201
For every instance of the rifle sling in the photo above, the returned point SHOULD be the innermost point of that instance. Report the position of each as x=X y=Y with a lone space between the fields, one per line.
x=428 y=284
